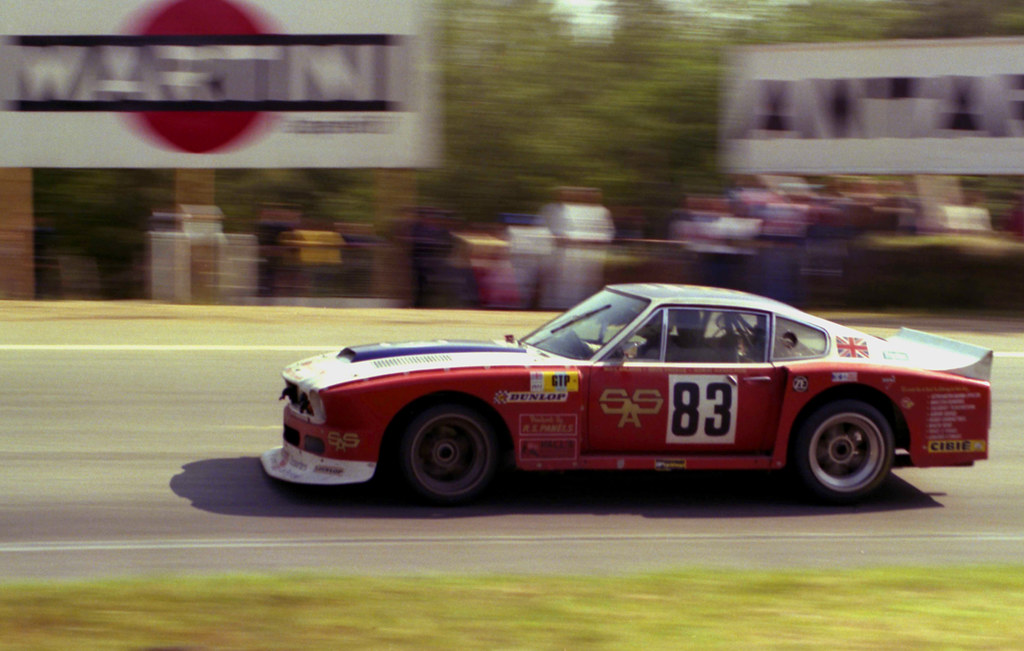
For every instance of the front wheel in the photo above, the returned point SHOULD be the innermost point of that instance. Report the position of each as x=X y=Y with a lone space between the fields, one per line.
x=449 y=454
x=843 y=452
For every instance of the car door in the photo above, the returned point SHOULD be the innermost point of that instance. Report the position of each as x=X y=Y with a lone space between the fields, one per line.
x=689 y=380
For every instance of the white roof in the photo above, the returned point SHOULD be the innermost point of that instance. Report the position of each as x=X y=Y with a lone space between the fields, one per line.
x=663 y=293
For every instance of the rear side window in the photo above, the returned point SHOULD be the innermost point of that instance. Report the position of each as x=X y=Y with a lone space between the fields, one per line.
x=794 y=340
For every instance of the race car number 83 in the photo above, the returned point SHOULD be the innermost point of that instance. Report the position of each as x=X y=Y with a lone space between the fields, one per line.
x=703 y=409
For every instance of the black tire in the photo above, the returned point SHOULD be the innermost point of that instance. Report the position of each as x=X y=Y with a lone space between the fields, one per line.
x=843 y=452
x=448 y=454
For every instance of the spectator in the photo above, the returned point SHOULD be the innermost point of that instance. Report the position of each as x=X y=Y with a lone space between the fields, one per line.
x=431 y=243
x=1015 y=218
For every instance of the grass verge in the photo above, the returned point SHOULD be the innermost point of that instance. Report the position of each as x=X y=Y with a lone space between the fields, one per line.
x=903 y=608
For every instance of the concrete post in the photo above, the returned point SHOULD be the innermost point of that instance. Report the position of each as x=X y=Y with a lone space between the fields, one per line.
x=394 y=191
x=17 y=271
x=195 y=187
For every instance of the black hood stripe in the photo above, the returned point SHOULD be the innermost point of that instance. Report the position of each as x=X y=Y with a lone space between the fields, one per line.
x=382 y=351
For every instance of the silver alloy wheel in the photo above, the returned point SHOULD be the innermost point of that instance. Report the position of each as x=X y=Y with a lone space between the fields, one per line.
x=843 y=451
x=847 y=452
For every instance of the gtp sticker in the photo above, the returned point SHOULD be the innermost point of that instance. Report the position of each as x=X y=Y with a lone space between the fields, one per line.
x=554 y=382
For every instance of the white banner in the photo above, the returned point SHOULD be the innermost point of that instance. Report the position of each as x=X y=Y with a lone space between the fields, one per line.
x=885 y=107
x=217 y=83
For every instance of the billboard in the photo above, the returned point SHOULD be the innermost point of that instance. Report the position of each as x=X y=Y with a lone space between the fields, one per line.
x=216 y=83
x=884 y=107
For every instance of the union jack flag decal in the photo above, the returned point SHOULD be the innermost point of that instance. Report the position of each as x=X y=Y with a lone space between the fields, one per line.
x=854 y=347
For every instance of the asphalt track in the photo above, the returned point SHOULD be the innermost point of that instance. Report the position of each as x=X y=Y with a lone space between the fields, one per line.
x=130 y=434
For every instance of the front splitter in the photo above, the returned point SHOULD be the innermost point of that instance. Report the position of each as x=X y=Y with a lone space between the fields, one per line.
x=289 y=463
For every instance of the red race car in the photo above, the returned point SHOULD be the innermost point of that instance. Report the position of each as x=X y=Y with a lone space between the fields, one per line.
x=641 y=376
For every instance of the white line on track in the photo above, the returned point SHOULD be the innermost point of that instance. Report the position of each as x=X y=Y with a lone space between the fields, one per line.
x=181 y=545
x=150 y=348
x=184 y=348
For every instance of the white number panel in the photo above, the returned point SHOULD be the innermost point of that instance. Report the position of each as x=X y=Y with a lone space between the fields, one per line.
x=703 y=409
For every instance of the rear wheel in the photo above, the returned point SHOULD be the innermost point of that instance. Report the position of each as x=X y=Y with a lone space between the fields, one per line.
x=843 y=452
x=449 y=454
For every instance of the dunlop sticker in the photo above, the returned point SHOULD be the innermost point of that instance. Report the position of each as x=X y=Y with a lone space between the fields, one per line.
x=510 y=397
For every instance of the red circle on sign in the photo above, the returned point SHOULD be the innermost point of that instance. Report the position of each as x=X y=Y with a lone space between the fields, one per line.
x=199 y=132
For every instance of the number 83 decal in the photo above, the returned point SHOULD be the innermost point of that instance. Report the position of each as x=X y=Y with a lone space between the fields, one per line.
x=703 y=409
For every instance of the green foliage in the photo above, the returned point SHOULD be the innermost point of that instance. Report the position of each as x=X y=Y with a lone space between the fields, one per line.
x=322 y=196
x=102 y=215
x=956 y=19
x=892 y=608
x=532 y=104
x=814 y=21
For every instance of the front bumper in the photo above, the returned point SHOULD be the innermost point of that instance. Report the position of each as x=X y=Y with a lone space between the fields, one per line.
x=289 y=463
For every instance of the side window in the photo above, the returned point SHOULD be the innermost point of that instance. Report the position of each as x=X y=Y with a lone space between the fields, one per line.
x=716 y=337
x=794 y=340
x=645 y=343
x=687 y=337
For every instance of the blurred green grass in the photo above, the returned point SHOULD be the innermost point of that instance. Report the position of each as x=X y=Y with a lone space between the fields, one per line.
x=905 y=608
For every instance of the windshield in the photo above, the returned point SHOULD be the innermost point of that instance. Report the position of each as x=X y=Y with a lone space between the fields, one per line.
x=586 y=328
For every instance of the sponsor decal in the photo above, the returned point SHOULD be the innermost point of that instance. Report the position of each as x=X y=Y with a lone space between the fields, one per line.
x=678 y=464
x=905 y=105
x=949 y=414
x=852 y=347
x=298 y=465
x=329 y=470
x=907 y=403
x=201 y=76
x=342 y=442
x=941 y=447
x=643 y=402
x=547 y=424
x=941 y=389
x=554 y=382
x=896 y=355
x=307 y=368
x=510 y=397
x=547 y=449
x=704 y=409
x=844 y=376
x=800 y=383
x=282 y=460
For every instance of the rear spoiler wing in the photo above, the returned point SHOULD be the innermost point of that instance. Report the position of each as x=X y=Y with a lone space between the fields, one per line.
x=938 y=353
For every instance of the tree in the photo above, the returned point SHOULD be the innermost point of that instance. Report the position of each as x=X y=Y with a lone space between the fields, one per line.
x=102 y=215
x=532 y=104
x=954 y=19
